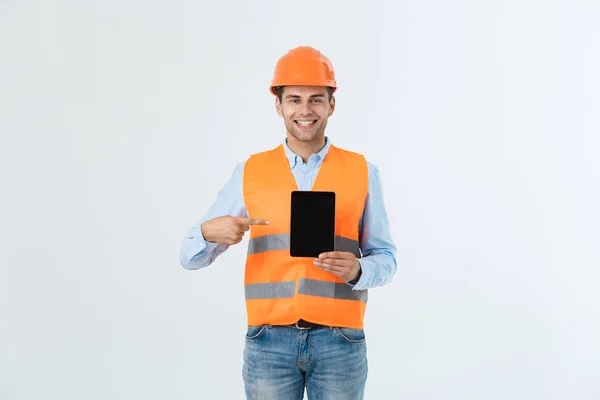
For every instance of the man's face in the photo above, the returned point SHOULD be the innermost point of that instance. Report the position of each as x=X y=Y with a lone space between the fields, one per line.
x=305 y=110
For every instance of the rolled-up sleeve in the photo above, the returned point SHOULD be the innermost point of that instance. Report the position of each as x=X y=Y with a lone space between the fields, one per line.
x=196 y=252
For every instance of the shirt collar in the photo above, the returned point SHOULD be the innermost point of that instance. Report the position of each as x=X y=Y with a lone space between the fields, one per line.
x=294 y=159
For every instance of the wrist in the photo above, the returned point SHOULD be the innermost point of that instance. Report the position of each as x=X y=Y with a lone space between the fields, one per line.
x=358 y=274
x=205 y=231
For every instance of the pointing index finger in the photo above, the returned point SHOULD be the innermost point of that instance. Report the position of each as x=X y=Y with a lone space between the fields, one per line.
x=255 y=221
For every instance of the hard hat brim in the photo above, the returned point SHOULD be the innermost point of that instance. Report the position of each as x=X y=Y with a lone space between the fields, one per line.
x=330 y=84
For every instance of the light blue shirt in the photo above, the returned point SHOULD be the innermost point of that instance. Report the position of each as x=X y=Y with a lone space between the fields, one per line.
x=378 y=262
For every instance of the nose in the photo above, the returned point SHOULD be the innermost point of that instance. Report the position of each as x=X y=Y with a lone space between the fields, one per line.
x=304 y=110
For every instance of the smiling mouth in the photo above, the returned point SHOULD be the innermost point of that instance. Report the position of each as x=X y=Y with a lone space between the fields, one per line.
x=305 y=124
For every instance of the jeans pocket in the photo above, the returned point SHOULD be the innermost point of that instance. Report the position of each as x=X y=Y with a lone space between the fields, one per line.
x=254 y=332
x=351 y=335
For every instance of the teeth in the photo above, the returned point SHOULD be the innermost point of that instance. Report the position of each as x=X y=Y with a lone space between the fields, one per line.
x=305 y=123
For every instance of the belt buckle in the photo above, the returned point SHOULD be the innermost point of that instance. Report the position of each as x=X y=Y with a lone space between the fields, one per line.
x=301 y=327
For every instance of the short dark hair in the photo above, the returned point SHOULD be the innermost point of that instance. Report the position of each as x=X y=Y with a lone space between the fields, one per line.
x=279 y=91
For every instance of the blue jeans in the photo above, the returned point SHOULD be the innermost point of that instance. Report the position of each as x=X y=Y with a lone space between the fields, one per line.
x=280 y=361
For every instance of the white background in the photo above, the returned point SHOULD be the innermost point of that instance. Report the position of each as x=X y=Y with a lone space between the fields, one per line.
x=121 y=120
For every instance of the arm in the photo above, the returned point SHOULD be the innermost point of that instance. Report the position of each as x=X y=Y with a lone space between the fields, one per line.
x=196 y=252
x=378 y=264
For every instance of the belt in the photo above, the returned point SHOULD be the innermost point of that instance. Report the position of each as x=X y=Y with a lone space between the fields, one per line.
x=302 y=324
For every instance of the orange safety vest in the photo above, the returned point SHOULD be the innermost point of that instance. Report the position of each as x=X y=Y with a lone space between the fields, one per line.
x=281 y=289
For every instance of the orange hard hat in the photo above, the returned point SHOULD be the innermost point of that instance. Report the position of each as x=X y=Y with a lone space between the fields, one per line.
x=303 y=66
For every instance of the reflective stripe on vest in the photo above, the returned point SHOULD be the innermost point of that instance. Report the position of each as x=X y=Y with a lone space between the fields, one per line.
x=281 y=241
x=280 y=289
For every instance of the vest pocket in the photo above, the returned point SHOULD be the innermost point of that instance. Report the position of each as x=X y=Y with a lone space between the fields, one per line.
x=351 y=335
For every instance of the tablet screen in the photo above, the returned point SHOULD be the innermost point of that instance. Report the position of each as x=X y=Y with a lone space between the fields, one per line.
x=312 y=225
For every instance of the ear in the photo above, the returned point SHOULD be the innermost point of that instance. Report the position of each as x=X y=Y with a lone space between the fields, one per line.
x=332 y=105
x=278 y=106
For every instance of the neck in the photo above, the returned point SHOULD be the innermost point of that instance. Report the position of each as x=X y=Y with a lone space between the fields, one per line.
x=306 y=149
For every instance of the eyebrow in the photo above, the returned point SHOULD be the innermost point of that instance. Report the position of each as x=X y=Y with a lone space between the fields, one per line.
x=297 y=96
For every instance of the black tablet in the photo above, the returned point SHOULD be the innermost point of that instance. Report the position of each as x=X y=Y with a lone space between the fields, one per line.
x=312 y=225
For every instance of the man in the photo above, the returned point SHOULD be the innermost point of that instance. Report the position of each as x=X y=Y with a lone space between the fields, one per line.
x=305 y=317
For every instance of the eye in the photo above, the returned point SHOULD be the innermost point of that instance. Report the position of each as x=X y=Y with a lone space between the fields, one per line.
x=317 y=100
